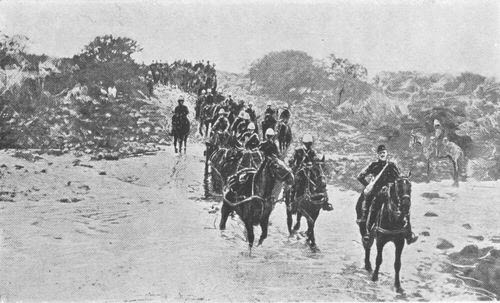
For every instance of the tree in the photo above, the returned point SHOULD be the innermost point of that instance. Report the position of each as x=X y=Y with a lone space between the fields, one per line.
x=345 y=71
x=286 y=72
x=11 y=49
x=109 y=49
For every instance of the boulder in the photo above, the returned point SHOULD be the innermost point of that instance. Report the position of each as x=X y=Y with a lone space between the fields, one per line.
x=467 y=226
x=430 y=214
x=444 y=244
x=431 y=195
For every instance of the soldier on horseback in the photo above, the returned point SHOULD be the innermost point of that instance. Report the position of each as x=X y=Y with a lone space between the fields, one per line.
x=269 y=121
x=268 y=147
x=181 y=110
x=269 y=109
x=199 y=104
x=384 y=173
x=439 y=136
x=222 y=123
x=250 y=139
x=303 y=155
x=285 y=114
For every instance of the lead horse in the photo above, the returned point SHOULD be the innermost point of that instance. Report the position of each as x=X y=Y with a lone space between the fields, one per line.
x=390 y=226
x=310 y=194
x=180 y=131
x=253 y=199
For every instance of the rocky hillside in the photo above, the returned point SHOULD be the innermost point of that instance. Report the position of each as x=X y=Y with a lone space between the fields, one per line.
x=385 y=111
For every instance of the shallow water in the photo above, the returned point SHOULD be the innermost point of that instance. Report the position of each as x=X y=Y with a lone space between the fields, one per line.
x=146 y=231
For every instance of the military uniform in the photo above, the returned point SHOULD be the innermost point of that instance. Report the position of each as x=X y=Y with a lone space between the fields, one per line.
x=222 y=124
x=269 y=148
x=250 y=140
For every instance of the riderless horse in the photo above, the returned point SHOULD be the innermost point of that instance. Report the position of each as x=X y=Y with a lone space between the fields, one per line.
x=252 y=194
x=390 y=226
x=310 y=194
x=180 y=131
x=434 y=149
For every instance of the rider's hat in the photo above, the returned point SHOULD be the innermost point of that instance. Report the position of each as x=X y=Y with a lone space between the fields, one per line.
x=269 y=103
x=180 y=99
x=246 y=116
x=222 y=111
x=285 y=106
x=251 y=126
x=308 y=138
x=381 y=147
x=242 y=115
x=437 y=123
x=269 y=132
x=203 y=91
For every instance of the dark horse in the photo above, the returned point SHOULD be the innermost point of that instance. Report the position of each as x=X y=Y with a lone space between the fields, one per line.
x=310 y=193
x=207 y=117
x=253 y=199
x=180 y=131
x=390 y=226
x=284 y=136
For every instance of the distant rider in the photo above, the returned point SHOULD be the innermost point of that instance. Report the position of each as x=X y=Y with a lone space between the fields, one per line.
x=269 y=147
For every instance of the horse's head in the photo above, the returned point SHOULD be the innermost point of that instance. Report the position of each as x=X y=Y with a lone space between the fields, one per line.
x=279 y=170
x=400 y=198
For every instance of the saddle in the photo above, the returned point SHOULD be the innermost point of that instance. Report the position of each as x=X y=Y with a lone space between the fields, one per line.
x=241 y=182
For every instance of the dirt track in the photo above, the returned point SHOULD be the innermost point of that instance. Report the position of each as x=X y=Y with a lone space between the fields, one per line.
x=142 y=231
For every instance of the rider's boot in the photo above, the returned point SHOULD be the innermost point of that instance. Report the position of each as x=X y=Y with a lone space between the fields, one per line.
x=410 y=236
x=327 y=206
x=369 y=217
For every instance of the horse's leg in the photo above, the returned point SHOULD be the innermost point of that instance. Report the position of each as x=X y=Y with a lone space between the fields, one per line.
x=367 y=247
x=310 y=230
x=380 y=248
x=428 y=170
x=400 y=243
x=455 y=171
x=185 y=143
x=297 y=224
x=250 y=234
x=225 y=210
x=289 y=218
x=175 y=143
x=264 y=224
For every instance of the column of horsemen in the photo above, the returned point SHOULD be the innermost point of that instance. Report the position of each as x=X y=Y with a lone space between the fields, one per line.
x=235 y=151
x=249 y=171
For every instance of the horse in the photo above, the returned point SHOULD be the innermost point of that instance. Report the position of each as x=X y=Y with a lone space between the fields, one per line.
x=284 y=136
x=310 y=194
x=432 y=149
x=180 y=131
x=252 y=195
x=207 y=118
x=390 y=226
x=269 y=122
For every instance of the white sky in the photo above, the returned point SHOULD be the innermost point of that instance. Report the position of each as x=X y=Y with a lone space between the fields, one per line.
x=424 y=35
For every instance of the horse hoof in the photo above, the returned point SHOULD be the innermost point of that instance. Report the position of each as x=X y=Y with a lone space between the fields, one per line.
x=375 y=278
x=400 y=290
x=368 y=268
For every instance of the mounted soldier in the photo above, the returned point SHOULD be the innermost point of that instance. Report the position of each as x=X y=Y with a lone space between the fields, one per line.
x=384 y=174
x=199 y=104
x=269 y=109
x=250 y=139
x=222 y=123
x=268 y=147
x=439 y=135
x=181 y=109
x=269 y=122
x=303 y=155
x=285 y=114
